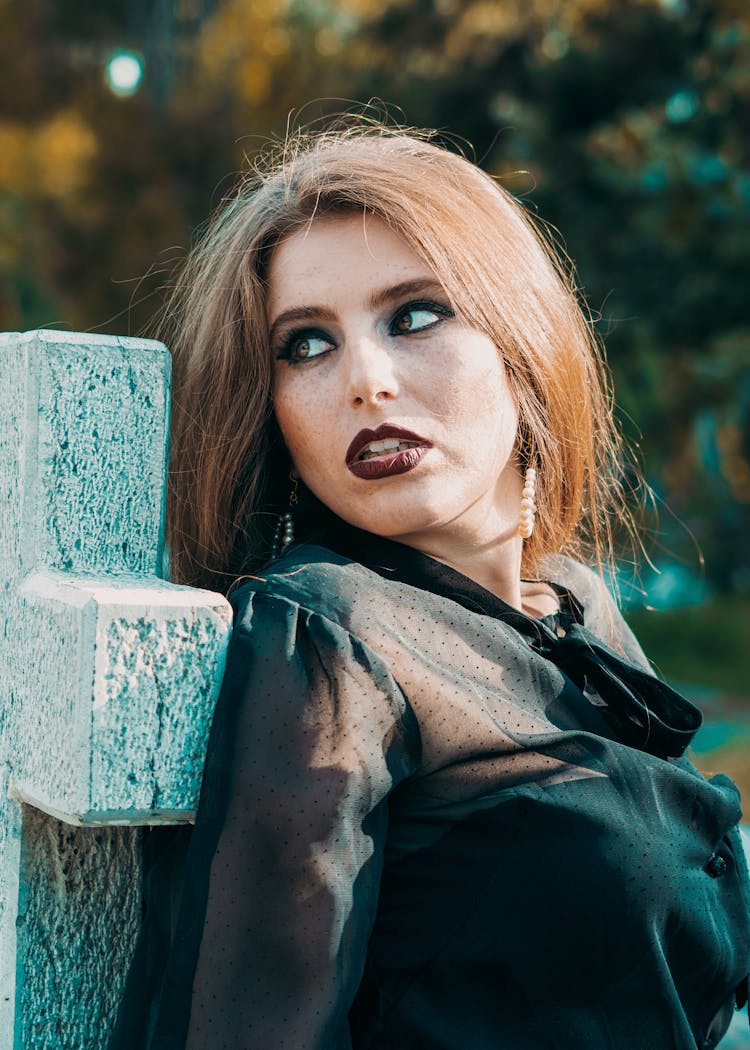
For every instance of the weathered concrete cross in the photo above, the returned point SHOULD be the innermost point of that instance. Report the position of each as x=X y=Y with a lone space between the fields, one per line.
x=108 y=674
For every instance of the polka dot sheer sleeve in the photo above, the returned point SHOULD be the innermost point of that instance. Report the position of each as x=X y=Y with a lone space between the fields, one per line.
x=310 y=735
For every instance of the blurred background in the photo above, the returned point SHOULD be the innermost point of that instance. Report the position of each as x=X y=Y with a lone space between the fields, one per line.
x=623 y=123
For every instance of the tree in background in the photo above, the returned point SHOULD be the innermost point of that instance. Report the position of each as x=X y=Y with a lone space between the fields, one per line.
x=626 y=125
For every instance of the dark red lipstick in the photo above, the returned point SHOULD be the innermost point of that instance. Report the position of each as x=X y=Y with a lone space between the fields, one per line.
x=385 y=463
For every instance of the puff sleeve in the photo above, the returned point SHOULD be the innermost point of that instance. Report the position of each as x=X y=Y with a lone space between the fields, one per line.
x=310 y=735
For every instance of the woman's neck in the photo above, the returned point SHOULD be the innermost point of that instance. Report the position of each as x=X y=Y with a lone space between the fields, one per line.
x=496 y=566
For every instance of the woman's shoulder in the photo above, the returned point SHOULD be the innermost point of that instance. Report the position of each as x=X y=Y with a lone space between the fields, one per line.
x=583 y=582
x=312 y=577
x=601 y=611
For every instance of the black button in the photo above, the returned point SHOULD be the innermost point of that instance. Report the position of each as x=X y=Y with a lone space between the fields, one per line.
x=716 y=866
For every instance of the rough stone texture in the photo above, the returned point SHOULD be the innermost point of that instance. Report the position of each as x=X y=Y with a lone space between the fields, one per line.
x=10 y=878
x=12 y=427
x=126 y=681
x=49 y=684
x=71 y=951
x=154 y=698
x=12 y=422
x=108 y=674
x=94 y=448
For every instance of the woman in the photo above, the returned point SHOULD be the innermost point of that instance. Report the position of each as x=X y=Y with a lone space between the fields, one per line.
x=446 y=803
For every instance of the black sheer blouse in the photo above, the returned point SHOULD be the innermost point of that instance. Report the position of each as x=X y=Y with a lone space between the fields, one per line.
x=431 y=822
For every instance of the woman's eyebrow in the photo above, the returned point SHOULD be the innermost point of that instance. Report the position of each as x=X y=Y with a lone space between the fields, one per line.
x=418 y=285
x=301 y=313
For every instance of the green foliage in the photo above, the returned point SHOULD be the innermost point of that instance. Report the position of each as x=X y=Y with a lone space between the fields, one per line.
x=703 y=645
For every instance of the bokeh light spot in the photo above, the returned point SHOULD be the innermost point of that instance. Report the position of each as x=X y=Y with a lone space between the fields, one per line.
x=677 y=7
x=681 y=106
x=555 y=44
x=123 y=73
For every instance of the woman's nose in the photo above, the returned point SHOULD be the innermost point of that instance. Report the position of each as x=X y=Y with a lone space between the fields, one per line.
x=371 y=374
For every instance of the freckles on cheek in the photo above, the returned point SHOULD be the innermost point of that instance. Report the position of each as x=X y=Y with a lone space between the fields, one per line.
x=474 y=392
x=302 y=429
x=289 y=407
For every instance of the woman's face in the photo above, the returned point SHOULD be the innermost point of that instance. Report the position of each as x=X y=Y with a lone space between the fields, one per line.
x=364 y=337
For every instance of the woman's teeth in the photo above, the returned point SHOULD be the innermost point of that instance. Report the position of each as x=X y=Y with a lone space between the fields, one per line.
x=377 y=448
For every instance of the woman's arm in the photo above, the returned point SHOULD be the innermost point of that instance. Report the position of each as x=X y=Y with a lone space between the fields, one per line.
x=309 y=736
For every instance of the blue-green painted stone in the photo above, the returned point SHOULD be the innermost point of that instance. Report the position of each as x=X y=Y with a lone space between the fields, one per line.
x=108 y=673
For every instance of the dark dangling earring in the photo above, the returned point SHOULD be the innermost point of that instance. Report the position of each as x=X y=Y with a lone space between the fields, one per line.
x=283 y=535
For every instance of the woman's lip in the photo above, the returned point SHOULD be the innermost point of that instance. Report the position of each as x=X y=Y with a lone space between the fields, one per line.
x=385 y=430
x=389 y=464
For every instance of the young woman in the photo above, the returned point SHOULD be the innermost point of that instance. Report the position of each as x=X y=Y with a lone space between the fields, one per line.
x=446 y=802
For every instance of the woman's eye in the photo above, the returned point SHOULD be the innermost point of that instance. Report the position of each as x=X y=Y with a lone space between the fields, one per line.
x=418 y=316
x=303 y=346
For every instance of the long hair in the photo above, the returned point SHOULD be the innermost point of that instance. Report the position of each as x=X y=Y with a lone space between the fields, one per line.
x=502 y=275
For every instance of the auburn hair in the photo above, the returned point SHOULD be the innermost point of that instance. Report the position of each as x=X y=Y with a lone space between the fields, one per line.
x=502 y=273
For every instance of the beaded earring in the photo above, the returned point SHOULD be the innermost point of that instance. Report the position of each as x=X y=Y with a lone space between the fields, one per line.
x=283 y=535
x=528 y=504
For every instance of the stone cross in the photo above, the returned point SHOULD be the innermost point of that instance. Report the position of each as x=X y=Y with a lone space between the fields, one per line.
x=108 y=674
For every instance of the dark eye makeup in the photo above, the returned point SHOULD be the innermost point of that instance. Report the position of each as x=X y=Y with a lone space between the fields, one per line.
x=303 y=344
x=403 y=322
x=306 y=344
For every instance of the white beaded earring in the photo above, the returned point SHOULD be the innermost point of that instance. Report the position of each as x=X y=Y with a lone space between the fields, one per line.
x=528 y=504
